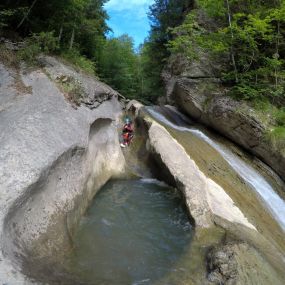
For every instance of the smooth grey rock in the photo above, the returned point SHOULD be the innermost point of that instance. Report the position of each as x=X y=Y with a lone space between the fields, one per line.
x=134 y=107
x=94 y=91
x=53 y=159
x=7 y=92
x=206 y=200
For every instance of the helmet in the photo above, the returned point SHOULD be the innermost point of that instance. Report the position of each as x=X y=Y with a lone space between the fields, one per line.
x=127 y=120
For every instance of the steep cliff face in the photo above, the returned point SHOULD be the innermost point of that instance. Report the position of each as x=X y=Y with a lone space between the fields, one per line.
x=59 y=145
x=196 y=89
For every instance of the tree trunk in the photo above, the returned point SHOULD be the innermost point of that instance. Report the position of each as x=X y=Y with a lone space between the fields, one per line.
x=60 y=34
x=26 y=16
x=71 y=39
x=277 y=52
x=232 y=40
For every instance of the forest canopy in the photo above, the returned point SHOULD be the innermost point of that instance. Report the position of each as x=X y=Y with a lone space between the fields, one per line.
x=250 y=34
x=77 y=30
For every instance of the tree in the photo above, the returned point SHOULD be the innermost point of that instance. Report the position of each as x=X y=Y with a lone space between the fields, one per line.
x=77 y=23
x=163 y=15
x=251 y=33
x=119 y=65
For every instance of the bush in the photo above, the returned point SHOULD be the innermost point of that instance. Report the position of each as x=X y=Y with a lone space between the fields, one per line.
x=280 y=117
x=262 y=104
x=47 y=42
x=29 y=53
x=245 y=91
x=37 y=43
x=79 y=61
x=277 y=137
x=72 y=89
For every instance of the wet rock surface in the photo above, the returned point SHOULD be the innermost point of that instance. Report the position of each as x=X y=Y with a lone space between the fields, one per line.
x=201 y=95
x=57 y=151
x=211 y=206
x=204 y=198
x=238 y=263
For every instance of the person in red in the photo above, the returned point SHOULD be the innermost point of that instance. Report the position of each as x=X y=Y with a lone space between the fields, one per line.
x=128 y=133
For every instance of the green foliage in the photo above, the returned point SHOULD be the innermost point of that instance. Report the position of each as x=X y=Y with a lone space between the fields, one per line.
x=250 y=34
x=187 y=37
x=151 y=85
x=74 y=23
x=37 y=43
x=164 y=15
x=46 y=41
x=119 y=65
x=5 y=14
x=278 y=132
x=280 y=117
x=245 y=91
x=73 y=90
x=263 y=105
x=79 y=61
x=277 y=137
x=30 y=52
x=214 y=8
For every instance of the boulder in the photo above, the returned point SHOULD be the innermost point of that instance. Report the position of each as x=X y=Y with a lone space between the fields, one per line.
x=239 y=263
x=133 y=107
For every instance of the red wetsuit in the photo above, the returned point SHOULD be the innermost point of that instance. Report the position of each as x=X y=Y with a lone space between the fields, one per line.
x=127 y=133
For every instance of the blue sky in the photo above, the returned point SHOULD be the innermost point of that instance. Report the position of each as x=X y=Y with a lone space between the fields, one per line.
x=129 y=17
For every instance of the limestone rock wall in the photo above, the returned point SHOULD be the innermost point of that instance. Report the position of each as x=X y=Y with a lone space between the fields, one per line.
x=53 y=158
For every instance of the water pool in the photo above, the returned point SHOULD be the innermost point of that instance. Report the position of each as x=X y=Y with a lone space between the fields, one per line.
x=134 y=233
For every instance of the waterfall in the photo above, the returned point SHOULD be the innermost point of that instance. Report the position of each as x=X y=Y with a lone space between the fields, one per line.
x=252 y=177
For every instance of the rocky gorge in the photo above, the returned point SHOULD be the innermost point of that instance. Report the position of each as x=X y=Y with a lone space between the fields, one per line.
x=54 y=157
x=221 y=218
x=197 y=89
x=60 y=145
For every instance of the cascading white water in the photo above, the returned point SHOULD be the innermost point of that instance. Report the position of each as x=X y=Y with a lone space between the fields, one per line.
x=251 y=176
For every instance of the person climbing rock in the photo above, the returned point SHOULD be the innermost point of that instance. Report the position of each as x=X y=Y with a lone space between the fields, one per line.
x=127 y=133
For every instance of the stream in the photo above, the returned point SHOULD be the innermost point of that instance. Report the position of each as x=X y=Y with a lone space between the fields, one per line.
x=135 y=232
x=138 y=231
x=256 y=181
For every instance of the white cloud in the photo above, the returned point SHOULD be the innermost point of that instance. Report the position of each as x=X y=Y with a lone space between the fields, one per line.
x=120 y=5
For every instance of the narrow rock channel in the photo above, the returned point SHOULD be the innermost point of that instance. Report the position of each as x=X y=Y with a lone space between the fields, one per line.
x=222 y=206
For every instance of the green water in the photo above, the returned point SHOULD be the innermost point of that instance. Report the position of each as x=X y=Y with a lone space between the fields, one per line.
x=135 y=232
